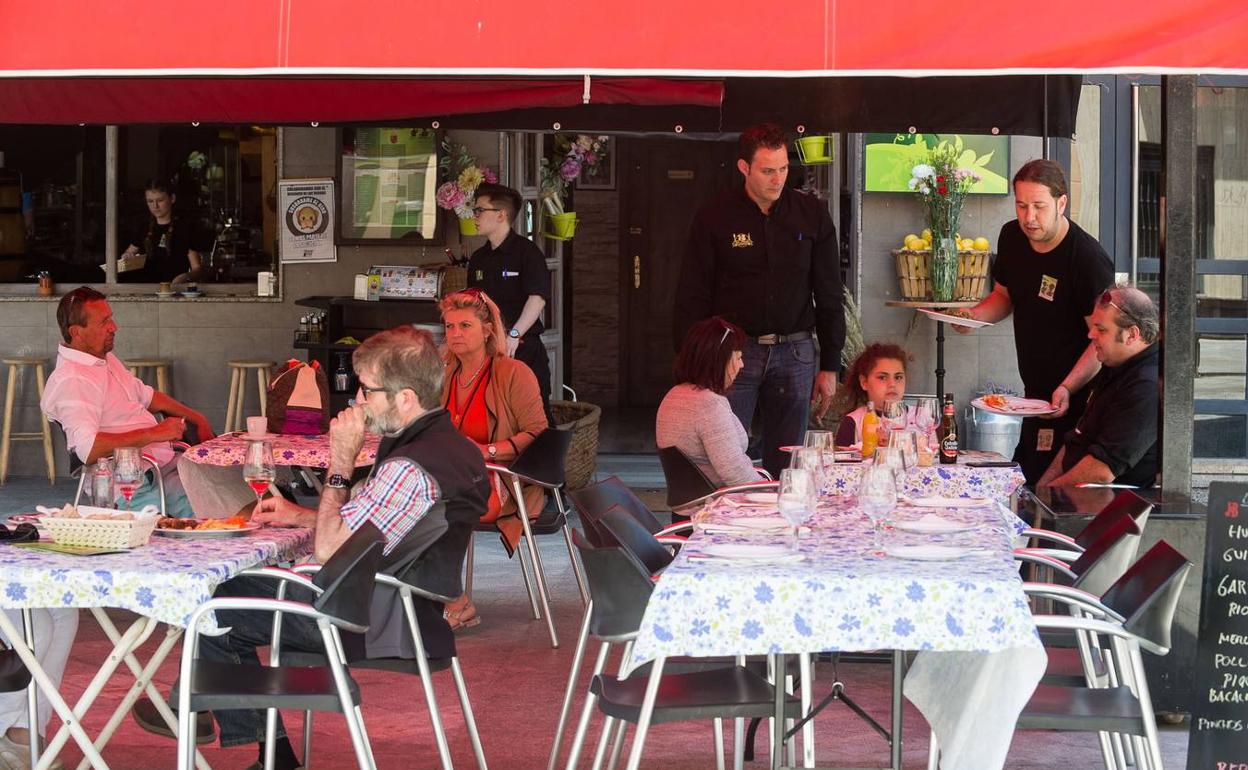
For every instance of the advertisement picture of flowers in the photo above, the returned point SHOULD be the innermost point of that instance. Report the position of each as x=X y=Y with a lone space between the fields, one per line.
x=889 y=159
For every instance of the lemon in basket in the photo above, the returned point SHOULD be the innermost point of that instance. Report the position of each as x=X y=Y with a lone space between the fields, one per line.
x=982 y=244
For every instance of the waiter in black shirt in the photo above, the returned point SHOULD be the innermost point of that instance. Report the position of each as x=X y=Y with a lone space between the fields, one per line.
x=765 y=257
x=512 y=270
x=1048 y=273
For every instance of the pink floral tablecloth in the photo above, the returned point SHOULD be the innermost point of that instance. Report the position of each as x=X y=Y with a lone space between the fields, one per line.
x=306 y=451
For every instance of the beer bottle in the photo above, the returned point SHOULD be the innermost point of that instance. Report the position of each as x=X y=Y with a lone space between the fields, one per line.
x=870 y=431
x=948 y=434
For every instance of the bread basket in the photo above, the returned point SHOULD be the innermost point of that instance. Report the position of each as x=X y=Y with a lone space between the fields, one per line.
x=103 y=533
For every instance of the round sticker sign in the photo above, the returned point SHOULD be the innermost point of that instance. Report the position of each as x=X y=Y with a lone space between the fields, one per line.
x=307 y=216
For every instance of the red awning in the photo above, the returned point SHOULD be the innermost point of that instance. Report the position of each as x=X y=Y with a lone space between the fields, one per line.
x=331 y=100
x=654 y=37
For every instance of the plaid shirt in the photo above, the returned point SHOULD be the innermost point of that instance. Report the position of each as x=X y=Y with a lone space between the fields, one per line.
x=395 y=499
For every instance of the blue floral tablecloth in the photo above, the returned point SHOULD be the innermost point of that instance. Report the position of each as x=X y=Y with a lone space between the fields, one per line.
x=954 y=480
x=167 y=579
x=842 y=595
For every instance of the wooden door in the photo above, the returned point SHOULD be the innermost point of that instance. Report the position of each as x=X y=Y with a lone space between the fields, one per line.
x=666 y=181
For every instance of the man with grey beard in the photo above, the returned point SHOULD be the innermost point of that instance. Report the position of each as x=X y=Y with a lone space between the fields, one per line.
x=427 y=489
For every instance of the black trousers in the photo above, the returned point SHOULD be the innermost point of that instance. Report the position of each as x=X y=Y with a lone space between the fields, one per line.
x=533 y=353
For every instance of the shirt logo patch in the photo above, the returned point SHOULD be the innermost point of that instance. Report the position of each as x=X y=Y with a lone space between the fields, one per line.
x=1048 y=287
x=511 y=274
x=480 y=276
x=742 y=241
x=1044 y=440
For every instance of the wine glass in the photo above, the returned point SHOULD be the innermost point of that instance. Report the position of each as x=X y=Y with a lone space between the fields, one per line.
x=127 y=471
x=892 y=417
x=820 y=439
x=877 y=496
x=893 y=459
x=796 y=499
x=927 y=417
x=258 y=468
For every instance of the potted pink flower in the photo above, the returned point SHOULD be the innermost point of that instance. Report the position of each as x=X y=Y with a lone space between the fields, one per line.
x=463 y=176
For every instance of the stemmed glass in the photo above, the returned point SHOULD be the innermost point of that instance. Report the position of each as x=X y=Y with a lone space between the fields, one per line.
x=892 y=417
x=128 y=471
x=820 y=439
x=877 y=495
x=893 y=459
x=906 y=442
x=258 y=468
x=797 y=498
x=927 y=417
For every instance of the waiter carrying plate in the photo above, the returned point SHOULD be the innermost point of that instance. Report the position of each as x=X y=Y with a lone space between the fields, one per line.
x=1048 y=273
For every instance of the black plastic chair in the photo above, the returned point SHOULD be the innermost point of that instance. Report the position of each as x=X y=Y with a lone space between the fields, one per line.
x=620 y=587
x=406 y=576
x=1135 y=613
x=342 y=591
x=621 y=529
x=688 y=487
x=541 y=463
x=596 y=499
x=1127 y=502
x=1103 y=561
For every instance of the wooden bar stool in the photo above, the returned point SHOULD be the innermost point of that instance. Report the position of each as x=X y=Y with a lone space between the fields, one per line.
x=234 y=407
x=139 y=366
x=16 y=367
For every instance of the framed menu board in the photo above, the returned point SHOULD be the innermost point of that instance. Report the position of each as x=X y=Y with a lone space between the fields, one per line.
x=387 y=179
x=1219 y=734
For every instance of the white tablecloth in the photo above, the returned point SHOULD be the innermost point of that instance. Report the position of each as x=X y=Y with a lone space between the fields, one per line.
x=167 y=579
x=845 y=596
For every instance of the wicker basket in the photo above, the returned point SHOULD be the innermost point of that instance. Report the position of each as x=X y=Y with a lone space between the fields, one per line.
x=914 y=274
x=454 y=278
x=101 y=533
x=582 y=419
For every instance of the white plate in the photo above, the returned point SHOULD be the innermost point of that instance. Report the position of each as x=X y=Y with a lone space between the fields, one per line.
x=947 y=502
x=164 y=294
x=192 y=294
x=931 y=524
x=745 y=553
x=753 y=523
x=762 y=498
x=1015 y=406
x=207 y=534
x=930 y=552
x=936 y=315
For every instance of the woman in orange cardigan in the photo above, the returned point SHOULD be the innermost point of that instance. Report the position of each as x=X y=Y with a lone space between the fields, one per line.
x=495 y=401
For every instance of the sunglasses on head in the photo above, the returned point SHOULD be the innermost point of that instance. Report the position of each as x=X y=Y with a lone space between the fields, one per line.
x=1107 y=298
x=22 y=533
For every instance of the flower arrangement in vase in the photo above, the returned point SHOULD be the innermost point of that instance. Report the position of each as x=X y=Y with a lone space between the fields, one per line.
x=463 y=175
x=942 y=188
x=572 y=155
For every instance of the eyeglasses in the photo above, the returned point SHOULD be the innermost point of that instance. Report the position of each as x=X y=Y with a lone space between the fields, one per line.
x=479 y=210
x=22 y=533
x=1107 y=298
x=367 y=390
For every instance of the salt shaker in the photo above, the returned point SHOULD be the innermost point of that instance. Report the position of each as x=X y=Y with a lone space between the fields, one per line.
x=102 y=483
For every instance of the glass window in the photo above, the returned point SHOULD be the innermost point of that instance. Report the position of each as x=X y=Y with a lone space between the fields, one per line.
x=387 y=179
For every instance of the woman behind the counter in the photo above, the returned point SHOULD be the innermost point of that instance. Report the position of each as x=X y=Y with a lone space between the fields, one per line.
x=174 y=246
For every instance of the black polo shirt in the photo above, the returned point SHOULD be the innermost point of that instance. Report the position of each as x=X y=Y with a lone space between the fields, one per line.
x=775 y=273
x=511 y=274
x=1119 y=426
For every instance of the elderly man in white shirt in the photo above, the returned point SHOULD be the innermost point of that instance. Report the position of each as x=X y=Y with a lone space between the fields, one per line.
x=101 y=407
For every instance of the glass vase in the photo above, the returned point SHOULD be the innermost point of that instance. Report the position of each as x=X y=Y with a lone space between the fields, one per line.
x=944 y=269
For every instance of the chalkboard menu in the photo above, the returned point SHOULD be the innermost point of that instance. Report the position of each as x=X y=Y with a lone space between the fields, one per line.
x=1219 y=732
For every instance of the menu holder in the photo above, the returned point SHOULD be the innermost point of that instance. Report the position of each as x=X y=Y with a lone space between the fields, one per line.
x=1219 y=732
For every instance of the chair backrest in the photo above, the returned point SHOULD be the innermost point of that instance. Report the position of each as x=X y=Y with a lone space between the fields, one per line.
x=1148 y=594
x=594 y=500
x=347 y=579
x=685 y=481
x=625 y=530
x=1108 y=558
x=1126 y=502
x=543 y=460
x=619 y=586
x=436 y=567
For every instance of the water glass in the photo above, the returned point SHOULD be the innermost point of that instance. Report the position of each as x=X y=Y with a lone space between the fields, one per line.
x=820 y=439
x=907 y=442
x=797 y=498
x=127 y=471
x=812 y=459
x=877 y=496
x=893 y=459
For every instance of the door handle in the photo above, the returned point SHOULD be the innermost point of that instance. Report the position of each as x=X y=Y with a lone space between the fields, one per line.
x=636 y=272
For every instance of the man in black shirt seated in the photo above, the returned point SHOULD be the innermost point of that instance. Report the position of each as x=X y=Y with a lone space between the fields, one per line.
x=1116 y=438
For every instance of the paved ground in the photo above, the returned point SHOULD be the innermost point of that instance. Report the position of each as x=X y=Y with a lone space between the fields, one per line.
x=516 y=682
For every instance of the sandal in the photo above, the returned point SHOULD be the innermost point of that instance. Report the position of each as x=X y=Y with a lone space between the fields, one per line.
x=464 y=616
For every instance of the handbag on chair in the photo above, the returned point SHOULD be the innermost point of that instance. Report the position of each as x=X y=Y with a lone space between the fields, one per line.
x=298 y=399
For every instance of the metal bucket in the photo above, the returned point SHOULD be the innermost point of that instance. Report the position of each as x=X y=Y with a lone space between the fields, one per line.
x=991 y=432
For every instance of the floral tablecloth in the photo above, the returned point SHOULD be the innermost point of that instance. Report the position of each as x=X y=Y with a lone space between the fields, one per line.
x=167 y=579
x=981 y=658
x=307 y=451
x=954 y=480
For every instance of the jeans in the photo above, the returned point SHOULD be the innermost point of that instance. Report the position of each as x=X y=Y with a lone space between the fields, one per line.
x=778 y=380
x=249 y=630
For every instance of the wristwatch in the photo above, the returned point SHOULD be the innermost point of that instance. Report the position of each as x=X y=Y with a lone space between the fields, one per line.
x=514 y=334
x=493 y=450
x=338 y=481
